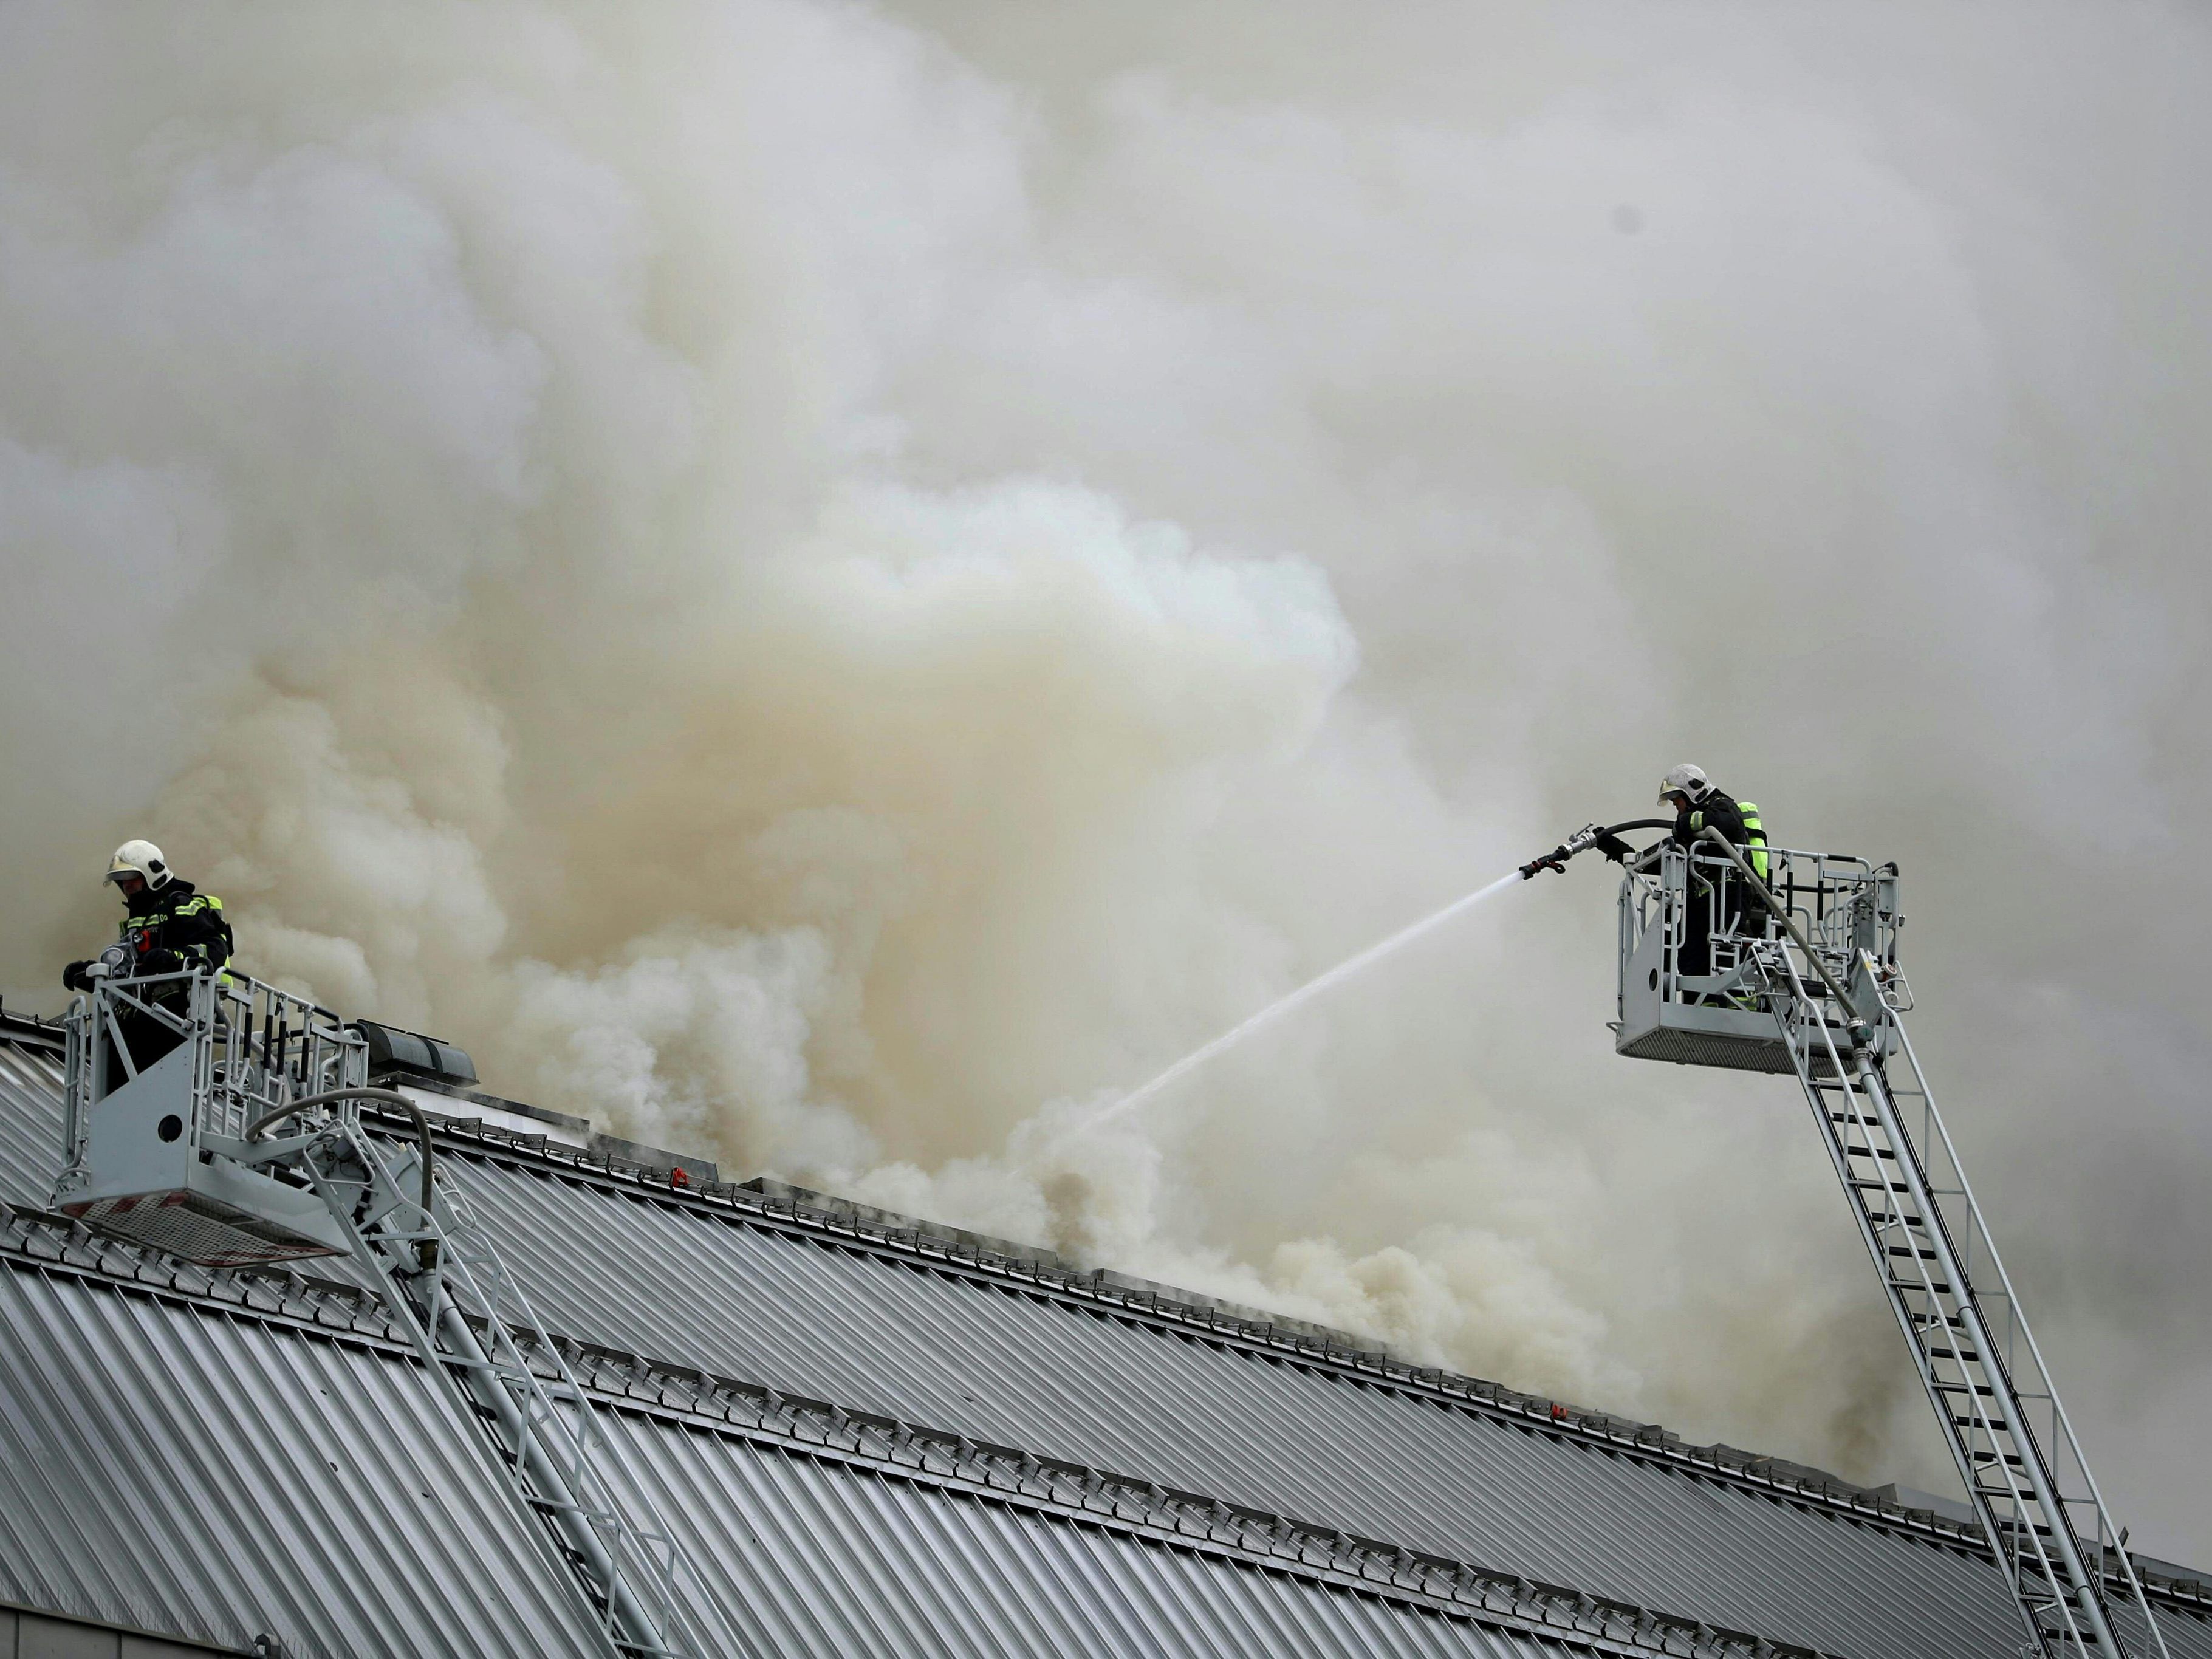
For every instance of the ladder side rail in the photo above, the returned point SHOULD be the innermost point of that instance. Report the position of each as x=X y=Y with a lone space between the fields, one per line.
x=2027 y=1372
x=2074 y=1587
x=1870 y=1232
x=561 y=1449
x=507 y=1309
x=538 y=1437
x=2026 y=1600
x=390 y=1231
x=2064 y=1425
x=439 y=1364
x=647 y=1552
x=581 y=1447
x=1947 y=1181
x=529 y=1425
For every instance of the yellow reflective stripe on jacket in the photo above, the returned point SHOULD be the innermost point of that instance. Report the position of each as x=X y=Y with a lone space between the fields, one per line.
x=1755 y=836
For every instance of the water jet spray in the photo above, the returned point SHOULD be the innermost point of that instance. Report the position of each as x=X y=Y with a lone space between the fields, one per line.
x=1605 y=839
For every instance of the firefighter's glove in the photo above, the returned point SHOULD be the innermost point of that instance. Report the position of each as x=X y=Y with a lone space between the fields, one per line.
x=1614 y=848
x=74 y=977
x=158 y=962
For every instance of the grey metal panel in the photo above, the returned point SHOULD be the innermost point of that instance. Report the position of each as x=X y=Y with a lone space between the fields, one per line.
x=44 y=1636
x=176 y=1470
x=1015 y=1368
x=2186 y=1637
x=829 y=1561
x=30 y=1126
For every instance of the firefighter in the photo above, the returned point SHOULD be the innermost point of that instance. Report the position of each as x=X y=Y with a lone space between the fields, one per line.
x=1719 y=900
x=168 y=925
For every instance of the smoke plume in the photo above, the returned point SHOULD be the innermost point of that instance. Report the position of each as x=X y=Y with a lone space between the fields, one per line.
x=835 y=586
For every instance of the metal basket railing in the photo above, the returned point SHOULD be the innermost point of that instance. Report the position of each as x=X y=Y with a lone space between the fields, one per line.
x=255 y=1048
x=1845 y=906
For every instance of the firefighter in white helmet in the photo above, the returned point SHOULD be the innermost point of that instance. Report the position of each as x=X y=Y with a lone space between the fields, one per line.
x=168 y=927
x=1718 y=896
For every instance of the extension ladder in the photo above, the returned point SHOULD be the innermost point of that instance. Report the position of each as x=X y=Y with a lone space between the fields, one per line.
x=2015 y=1450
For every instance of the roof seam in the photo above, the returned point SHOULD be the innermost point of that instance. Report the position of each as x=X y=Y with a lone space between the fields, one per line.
x=955 y=1463
x=41 y=1243
x=735 y=1205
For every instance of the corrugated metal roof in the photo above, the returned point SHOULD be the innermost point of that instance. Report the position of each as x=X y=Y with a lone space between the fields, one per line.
x=1018 y=1369
x=831 y=1562
x=30 y=1126
x=181 y=1471
x=792 y=1306
x=909 y=1452
x=186 y=1472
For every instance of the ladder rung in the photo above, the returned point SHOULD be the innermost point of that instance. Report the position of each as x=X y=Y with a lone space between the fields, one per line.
x=1850 y=1151
x=1998 y=1457
x=1935 y=1285
x=1910 y=1250
x=1982 y=1388
x=1976 y=1423
x=1889 y=1218
x=1964 y=1356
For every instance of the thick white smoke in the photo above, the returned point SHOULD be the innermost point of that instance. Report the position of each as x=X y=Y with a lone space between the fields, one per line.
x=834 y=587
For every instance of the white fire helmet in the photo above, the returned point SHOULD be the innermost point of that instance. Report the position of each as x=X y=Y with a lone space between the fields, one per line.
x=1685 y=779
x=140 y=858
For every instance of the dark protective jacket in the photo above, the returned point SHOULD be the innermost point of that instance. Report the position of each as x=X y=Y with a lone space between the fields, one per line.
x=1737 y=822
x=176 y=926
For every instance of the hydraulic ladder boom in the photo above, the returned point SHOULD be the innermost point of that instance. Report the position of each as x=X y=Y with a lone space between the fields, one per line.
x=1839 y=1009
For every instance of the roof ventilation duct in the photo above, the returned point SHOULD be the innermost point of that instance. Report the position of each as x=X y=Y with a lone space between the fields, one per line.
x=394 y=1054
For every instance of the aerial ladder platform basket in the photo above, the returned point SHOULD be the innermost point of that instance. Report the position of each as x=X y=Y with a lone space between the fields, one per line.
x=1794 y=969
x=230 y=1123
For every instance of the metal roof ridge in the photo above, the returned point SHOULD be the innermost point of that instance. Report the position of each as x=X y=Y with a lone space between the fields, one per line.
x=270 y=1294
x=1096 y=1290
x=1014 y=1251
x=955 y=1462
x=32 y=1030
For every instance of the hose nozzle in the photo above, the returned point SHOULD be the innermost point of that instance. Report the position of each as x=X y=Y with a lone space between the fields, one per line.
x=1606 y=838
x=1556 y=860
